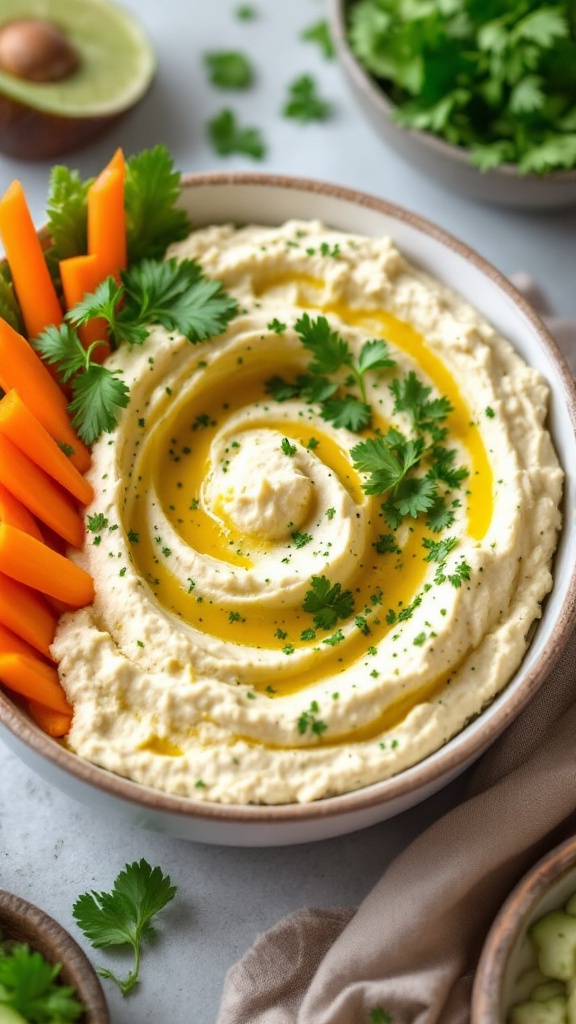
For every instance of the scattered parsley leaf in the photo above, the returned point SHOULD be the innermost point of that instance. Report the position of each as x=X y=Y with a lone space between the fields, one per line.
x=300 y=539
x=123 y=916
x=412 y=397
x=30 y=986
x=229 y=69
x=276 y=326
x=439 y=516
x=348 y=412
x=438 y=550
x=386 y=544
x=288 y=448
x=96 y=522
x=327 y=602
x=280 y=390
x=319 y=33
x=387 y=459
x=303 y=103
x=309 y=720
x=245 y=12
x=228 y=137
x=378 y=1015
x=61 y=347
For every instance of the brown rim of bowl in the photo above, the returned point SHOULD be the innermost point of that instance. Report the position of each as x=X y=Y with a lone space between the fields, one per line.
x=508 y=926
x=368 y=83
x=460 y=748
x=26 y=922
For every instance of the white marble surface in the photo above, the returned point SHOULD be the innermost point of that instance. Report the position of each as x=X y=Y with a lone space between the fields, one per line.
x=51 y=848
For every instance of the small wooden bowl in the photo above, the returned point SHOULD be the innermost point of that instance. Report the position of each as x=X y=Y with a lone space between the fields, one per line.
x=24 y=922
x=506 y=954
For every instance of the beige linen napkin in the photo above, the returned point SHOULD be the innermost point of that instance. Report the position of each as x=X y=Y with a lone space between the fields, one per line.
x=412 y=946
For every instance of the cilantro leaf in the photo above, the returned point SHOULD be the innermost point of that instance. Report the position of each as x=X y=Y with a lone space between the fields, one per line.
x=123 y=916
x=328 y=347
x=177 y=295
x=412 y=397
x=438 y=550
x=30 y=986
x=304 y=103
x=319 y=33
x=348 y=412
x=151 y=192
x=66 y=207
x=9 y=308
x=228 y=137
x=439 y=517
x=229 y=69
x=97 y=395
x=387 y=459
x=280 y=390
x=327 y=602
x=61 y=347
x=374 y=355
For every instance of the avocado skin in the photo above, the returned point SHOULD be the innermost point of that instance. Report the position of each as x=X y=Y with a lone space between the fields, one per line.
x=29 y=134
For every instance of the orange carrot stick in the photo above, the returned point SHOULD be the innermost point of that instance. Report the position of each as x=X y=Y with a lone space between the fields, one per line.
x=20 y=368
x=54 y=723
x=22 y=428
x=27 y=614
x=28 y=561
x=107 y=218
x=34 y=679
x=30 y=277
x=13 y=512
x=79 y=275
x=10 y=643
x=38 y=493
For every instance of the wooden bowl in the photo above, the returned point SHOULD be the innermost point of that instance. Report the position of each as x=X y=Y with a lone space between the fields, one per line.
x=25 y=922
x=507 y=953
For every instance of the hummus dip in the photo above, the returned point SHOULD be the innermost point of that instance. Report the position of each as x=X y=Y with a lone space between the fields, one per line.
x=284 y=612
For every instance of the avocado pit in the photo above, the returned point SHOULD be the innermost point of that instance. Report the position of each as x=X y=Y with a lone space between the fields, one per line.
x=36 y=50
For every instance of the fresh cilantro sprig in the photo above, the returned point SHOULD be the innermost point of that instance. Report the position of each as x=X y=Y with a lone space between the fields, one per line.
x=31 y=987
x=123 y=916
x=176 y=295
x=97 y=392
x=498 y=80
x=331 y=356
x=327 y=602
x=319 y=33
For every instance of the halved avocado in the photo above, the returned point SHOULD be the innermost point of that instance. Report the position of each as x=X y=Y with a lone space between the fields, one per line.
x=68 y=70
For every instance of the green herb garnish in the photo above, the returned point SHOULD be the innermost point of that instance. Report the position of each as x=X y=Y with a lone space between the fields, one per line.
x=123 y=916
x=327 y=602
x=304 y=103
x=319 y=33
x=496 y=79
x=229 y=69
x=30 y=987
x=228 y=137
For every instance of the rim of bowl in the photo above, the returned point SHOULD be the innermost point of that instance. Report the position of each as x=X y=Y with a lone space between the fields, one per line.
x=368 y=83
x=465 y=745
x=26 y=922
x=509 y=924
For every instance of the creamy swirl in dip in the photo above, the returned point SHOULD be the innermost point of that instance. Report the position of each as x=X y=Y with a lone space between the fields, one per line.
x=265 y=629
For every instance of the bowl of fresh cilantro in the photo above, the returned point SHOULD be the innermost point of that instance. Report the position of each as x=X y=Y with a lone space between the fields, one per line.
x=479 y=96
x=45 y=978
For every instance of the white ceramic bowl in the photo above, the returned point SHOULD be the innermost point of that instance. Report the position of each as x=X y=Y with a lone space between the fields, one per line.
x=507 y=953
x=432 y=155
x=271 y=200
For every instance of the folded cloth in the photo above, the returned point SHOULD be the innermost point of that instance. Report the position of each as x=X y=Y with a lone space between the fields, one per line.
x=410 y=949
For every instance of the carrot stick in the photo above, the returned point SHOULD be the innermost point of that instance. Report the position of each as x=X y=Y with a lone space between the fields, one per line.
x=28 y=561
x=13 y=512
x=54 y=723
x=34 y=679
x=30 y=277
x=27 y=614
x=79 y=275
x=107 y=218
x=22 y=428
x=38 y=493
x=10 y=643
x=20 y=368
